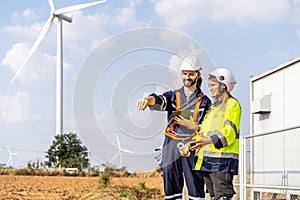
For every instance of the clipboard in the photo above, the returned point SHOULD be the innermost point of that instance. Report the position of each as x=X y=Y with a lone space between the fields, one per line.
x=184 y=113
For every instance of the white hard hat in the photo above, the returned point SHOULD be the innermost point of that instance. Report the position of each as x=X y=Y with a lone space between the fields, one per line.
x=224 y=76
x=190 y=63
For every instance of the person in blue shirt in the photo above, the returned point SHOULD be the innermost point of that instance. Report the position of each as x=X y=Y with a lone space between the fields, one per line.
x=191 y=100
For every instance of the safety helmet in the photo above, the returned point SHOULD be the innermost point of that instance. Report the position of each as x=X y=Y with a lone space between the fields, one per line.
x=190 y=63
x=224 y=76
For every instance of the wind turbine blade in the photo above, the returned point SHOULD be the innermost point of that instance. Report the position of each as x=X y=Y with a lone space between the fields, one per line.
x=118 y=141
x=9 y=151
x=34 y=46
x=127 y=151
x=51 y=4
x=115 y=156
x=76 y=7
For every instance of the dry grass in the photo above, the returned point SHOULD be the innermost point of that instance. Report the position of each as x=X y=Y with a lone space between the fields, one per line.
x=139 y=186
x=142 y=186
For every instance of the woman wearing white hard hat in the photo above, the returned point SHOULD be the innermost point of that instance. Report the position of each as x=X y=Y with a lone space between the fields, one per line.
x=217 y=143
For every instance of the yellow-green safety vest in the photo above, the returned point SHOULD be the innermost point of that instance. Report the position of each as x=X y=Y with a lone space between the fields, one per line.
x=222 y=124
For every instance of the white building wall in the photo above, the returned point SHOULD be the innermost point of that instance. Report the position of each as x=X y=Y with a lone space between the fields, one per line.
x=272 y=85
x=276 y=158
x=292 y=95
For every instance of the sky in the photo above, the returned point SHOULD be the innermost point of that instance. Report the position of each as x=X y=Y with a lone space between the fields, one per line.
x=119 y=51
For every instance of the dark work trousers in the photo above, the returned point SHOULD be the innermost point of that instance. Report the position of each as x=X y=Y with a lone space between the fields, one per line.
x=176 y=168
x=218 y=184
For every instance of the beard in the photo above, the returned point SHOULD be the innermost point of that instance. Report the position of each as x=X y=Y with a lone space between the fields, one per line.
x=189 y=82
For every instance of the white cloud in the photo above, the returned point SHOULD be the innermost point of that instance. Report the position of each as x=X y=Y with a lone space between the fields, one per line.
x=85 y=27
x=40 y=67
x=24 y=32
x=16 y=108
x=94 y=27
x=37 y=68
x=127 y=16
x=29 y=14
x=177 y=13
x=79 y=37
x=26 y=15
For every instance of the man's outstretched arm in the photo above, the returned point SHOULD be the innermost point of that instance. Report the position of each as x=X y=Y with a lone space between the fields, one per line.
x=144 y=102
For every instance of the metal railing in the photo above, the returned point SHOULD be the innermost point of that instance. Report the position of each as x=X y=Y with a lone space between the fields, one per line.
x=243 y=185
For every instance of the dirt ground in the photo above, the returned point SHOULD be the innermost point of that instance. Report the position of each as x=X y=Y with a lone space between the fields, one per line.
x=60 y=187
x=86 y=188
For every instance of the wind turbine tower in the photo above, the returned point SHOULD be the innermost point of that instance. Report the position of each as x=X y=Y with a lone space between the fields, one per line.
x=120 y=152
x=60 y=15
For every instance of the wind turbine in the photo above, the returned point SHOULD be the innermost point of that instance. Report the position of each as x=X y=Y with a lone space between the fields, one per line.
x=60 y=15
x=10 y=161
x=120 y=151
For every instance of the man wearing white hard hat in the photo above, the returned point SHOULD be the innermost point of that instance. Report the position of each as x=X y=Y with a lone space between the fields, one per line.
x=217 y=143
x=188 y=101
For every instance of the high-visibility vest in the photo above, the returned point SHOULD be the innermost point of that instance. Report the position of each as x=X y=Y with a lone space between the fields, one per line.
x=170 y=129
x=222 y=124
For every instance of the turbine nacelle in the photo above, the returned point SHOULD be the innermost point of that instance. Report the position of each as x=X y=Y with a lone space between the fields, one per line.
x=64 y=17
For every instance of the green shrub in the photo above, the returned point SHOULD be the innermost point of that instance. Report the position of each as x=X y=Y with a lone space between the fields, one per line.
x=105 y=179
x=127 y=195
x=25 y=172
x=142 y=185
